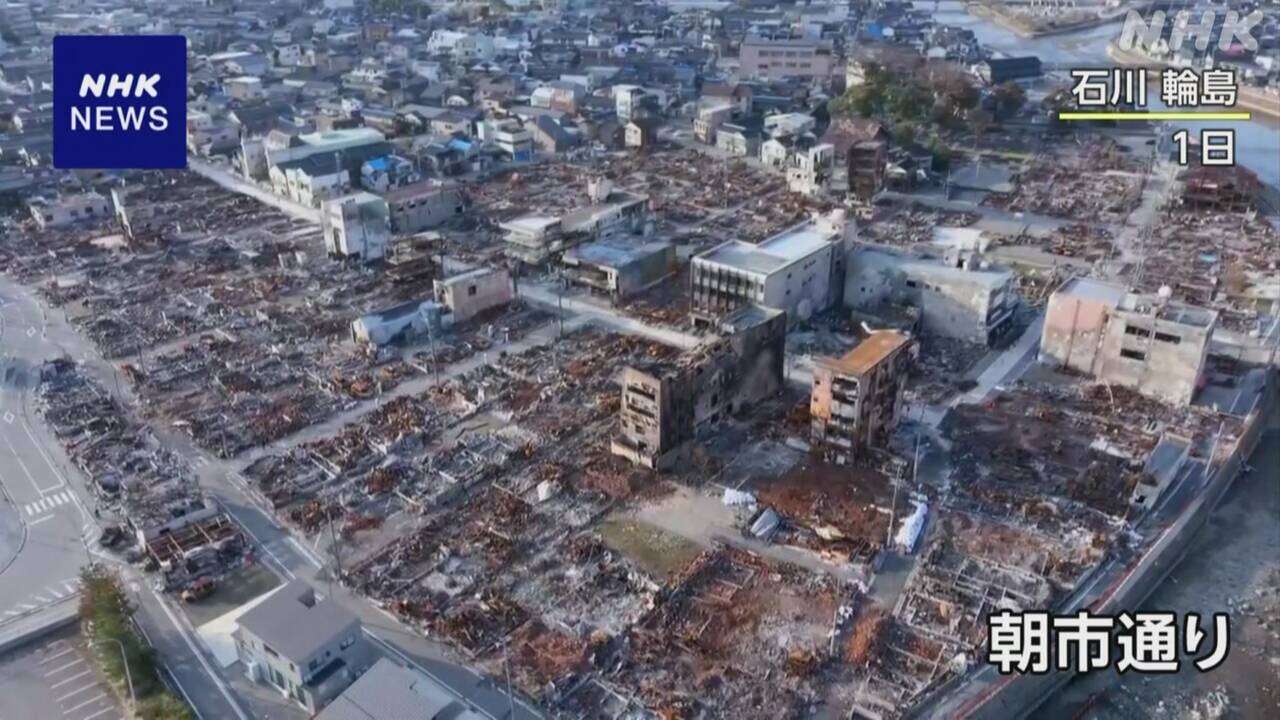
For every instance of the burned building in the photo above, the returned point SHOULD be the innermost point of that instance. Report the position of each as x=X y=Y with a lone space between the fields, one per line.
x=356 y=226
x=663 y=403
x=611 y=213
x=423 y=205
x=866 y=165
x=474 y=292
x=1148 y=343
x=961 y=299
x=857 y=397
x=619 y=269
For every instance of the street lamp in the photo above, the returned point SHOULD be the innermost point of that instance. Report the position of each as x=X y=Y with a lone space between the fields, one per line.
x=128 y=677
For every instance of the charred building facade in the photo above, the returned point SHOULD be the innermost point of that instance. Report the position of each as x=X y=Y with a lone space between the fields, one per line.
x=664 y=403
x=857 y=397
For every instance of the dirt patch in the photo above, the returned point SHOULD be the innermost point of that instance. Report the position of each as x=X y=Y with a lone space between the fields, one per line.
x=659 y=552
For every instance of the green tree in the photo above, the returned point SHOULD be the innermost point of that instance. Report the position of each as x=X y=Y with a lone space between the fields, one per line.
x=905 y=133
x=106 y=614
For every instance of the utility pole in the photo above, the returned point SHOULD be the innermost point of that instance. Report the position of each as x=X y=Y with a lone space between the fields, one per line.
x=506 y=666
x=336 y=549
x=560 y=301
x=431 y=340
x=893 y=509
x=915 y=465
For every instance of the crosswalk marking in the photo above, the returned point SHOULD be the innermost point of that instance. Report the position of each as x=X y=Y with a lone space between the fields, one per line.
x=47 y=503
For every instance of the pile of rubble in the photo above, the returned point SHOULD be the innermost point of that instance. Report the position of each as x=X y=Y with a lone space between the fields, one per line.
x=167 y=523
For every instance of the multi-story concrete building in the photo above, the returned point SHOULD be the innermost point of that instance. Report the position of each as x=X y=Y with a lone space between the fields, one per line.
x=307 y=648
x=961 y=298
x=797 y=271
x=357 y=226
x=423 y=205
x=856 y=398
x=67 y=209
x=663 y=403
x=618 y=269
x=809 y=170
x=1144 y=342
x=777 y=59
x=711 y=115
x=536 y=237
x=737 y=140
x=475 y=291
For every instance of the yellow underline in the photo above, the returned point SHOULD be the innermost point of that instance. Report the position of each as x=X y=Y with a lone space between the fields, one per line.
x=1154 y=115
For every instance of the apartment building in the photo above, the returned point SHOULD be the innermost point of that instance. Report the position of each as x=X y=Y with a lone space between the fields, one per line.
x=789 y=58
x=1145 y=342
x=857 y=398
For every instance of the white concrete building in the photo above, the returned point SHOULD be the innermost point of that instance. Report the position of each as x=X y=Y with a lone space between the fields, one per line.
x=66 y=209
x=357 y=225
x=797 y=271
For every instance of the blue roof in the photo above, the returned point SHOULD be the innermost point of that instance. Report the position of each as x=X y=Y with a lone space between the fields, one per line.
x=459 y=144
x=380 y=163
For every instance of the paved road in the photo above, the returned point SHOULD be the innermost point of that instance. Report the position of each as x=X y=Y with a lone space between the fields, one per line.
x=55 y=679
x=223 y=177
x=41 y=548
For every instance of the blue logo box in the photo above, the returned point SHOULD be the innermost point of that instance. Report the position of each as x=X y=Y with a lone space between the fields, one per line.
x=119 y=101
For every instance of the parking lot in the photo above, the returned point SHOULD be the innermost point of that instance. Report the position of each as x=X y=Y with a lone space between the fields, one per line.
x=54 y=678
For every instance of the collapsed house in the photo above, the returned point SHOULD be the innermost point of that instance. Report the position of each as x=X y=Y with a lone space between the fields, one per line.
x=174 y=526
x=857 y=397
x=957 y=298
x=1149 y=343
x=398 y=323
x=665 y=402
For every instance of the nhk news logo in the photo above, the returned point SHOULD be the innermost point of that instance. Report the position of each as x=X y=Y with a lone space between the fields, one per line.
x=119 y=101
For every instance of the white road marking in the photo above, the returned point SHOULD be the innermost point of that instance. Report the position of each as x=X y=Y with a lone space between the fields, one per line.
x=59 y=669
x=25 y=606
x=31 y=332
x=90 y=701
x=39 y=520
x=70 y=586
x=40 y=449
x=103 y=711
x=30 y=478
x=10 y=613
x=8 y=417
x=77 y=676
x=76 y=691
x=43 y=600
x=54 y=592
x=305 y=552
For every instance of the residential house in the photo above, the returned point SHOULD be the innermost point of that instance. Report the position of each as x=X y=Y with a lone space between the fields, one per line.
x=308 y=648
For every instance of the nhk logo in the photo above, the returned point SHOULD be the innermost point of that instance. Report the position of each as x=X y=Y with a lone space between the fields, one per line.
x=108 y=117
x=119 y=101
